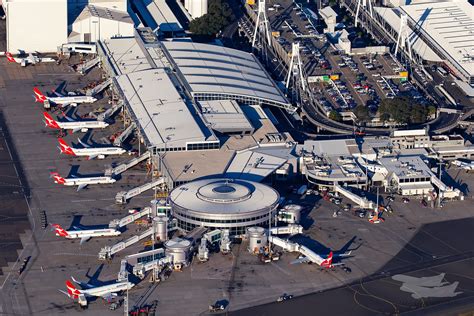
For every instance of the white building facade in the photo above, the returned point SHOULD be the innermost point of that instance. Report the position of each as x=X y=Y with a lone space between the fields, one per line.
x=29 y=29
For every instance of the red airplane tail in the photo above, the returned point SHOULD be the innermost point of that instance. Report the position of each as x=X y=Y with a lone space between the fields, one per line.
x=72 y=291
x=57 y=178
x=327 y=263
x=10 y=57
x=65 y=148
x=59 y=230
x=49 y=121
x=39 y=97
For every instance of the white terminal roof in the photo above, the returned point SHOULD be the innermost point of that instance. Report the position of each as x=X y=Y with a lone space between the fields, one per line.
x=225 y=116
x=392 y=17
x=165 y=118
x=450 y=25
x=255 y=164
x=157 y=14
x=125 y=55
x=224 y=197
x=104 y=13
x=406 y=166
x=220 y=70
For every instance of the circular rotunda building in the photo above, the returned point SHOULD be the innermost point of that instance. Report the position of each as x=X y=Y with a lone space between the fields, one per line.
x=223 y=204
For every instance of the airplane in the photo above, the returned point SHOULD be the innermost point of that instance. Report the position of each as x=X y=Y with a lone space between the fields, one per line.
x=90 y=152
x=62 y=100
x=84 y=234
x=81 y=182
x=107 y=292
x=436 y=291
x=30 y=59
x=73 y=125
x=309 y=256
x=436 y=280
x=315 y=258
x=464 y=165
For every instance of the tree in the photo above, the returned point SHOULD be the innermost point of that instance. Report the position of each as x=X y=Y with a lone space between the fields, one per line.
x=403 y=110
x=218 y=16
x=335 y=116
x=362 y=113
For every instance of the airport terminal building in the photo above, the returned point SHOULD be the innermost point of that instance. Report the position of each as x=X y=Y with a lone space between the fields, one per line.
x=184 y=97
x=223 y=204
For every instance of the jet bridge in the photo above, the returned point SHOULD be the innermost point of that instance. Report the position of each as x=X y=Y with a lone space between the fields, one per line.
x=125 y=134
x=108 y=252
x=287 y=230
x=295 y=247
x=99 y=88
x=110 y=172
x=444 y=190
x=122 y=197
x=117 y=223
x=88 y=65
x=142 y=268
x=109 y=112
x=361 y=201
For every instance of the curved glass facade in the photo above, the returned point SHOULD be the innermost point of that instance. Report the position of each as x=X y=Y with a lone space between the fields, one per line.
x=236 y=223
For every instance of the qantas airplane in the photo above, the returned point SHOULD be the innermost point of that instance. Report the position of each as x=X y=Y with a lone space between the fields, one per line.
x=62 y=100
x=84 y=234
x=30 y=59
x=107 y=292
x=73 y=125
x=315 y=258
x=81 y=182
x=89 y=152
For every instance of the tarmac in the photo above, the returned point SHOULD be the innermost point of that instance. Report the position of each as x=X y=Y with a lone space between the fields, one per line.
x=14 y=224
x=238 y=278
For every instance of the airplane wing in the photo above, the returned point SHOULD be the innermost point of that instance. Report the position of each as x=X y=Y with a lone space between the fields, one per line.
x=109 y=296
x=57 y=93
x=82 y=143
x=81 y=186
x=65 y=293
x=31 y=59
x=84 y=239
x=82 y=284
x=300 y=260
x=342 y=255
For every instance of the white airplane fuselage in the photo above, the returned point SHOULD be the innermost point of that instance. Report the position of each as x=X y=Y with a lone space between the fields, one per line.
x=88 y=233
x=82 y=124
x=108 y=289
x=98 y=151
x=88 y=180
x=72 y=99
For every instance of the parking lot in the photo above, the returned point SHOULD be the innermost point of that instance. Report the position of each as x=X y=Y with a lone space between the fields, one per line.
x=356 y=80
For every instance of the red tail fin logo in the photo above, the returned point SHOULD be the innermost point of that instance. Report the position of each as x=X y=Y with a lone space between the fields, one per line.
x=65 y=148
x=10 y=57
x=39 y=97
x=50 y=122
x=327 y=263
x=60 y=231
x=57 y=178
x=71 y=289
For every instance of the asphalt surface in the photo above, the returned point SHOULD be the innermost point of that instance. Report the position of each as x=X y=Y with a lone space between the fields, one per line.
x=444 y=247
x=13 y=204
